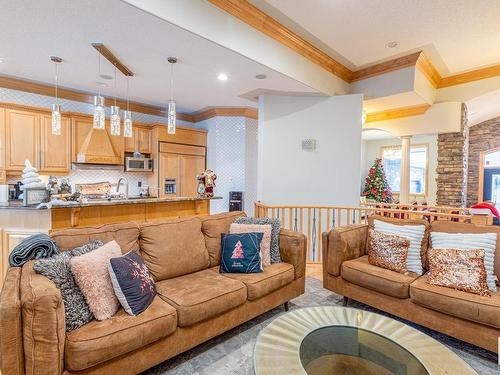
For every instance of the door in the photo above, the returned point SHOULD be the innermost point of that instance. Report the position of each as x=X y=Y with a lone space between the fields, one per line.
x=22 y=134
x=55 y=150
x=169 y=170
x=191 y=166
x=491 y=186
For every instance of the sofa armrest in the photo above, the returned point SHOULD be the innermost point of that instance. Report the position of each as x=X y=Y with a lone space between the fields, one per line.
x=293 y=249
x=341 y=244
x=44 y=330
x=11 y=330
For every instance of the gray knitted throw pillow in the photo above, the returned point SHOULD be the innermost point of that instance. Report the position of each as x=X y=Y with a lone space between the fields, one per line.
x=58 y=269
x=275 y=233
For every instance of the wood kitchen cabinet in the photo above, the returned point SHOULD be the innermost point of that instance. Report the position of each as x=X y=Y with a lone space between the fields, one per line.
x=181 y=163
x=140 y=141
x=28 y=135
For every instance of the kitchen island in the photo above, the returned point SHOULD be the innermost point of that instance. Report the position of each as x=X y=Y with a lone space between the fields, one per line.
x=18 y=222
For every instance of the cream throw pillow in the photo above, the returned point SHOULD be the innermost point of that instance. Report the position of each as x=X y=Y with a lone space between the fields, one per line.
x=265 y=244
x=92 y=276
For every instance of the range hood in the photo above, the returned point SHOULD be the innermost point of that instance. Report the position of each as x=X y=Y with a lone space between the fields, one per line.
x=97 y=147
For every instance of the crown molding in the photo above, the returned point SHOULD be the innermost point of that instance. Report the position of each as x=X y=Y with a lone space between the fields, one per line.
x=429 y=70
x=397 y=113
x=386 y=67
x=225 y=112
x=254 y=17
x=474 y=75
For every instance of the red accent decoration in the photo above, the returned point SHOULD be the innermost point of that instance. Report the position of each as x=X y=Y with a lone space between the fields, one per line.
x=489 y=206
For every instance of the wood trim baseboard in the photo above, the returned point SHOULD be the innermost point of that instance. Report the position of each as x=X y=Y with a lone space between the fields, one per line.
x=397 y=113
x=254 y=17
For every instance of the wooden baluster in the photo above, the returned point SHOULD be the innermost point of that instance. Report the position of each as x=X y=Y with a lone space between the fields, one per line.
x=339 y=217
x=290 y=218
x=348 y=216
x=359 y=216
x=328 y=219
x=308 y=234
x=301 y=220
x=274 y=213
x=319 y=234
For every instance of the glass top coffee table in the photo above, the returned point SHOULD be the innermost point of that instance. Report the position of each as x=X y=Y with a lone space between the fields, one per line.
x=341 y=340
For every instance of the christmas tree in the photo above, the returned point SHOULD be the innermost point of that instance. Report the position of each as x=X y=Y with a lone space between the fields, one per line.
x=238 y=251
x=376 y=185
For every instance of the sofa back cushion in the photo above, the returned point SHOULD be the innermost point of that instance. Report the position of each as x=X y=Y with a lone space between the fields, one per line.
x=425 y=241
x=453 y=227
x=213 y=226
x=173 y=248
x=125 y=234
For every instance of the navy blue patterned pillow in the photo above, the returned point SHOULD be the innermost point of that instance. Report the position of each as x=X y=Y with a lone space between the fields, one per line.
x=133 y=284
x=240 y=253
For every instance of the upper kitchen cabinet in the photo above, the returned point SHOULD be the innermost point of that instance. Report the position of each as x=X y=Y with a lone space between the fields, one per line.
x=55 y=155
x=95 y=146
x=28 y=135
x=140 y=141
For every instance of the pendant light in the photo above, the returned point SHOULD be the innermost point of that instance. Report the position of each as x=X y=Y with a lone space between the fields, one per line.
x=171 y=103
x=115 y=115
x=99 y=114
x=56 y=107
x=127 y=118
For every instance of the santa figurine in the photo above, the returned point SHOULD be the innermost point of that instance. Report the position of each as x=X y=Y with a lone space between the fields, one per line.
x=206 y=183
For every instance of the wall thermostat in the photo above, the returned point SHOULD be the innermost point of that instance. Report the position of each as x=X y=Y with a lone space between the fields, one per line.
x=308 y=144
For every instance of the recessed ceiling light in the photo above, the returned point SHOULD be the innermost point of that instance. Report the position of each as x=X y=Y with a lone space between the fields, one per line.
x=392 y=44
x=105 y=76
x=261 y=76
x=222 y=77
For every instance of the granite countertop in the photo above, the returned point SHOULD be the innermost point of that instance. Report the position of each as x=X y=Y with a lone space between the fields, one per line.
x=104 y=202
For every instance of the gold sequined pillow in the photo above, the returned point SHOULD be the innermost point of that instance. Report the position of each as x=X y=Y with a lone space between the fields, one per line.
x=388 y=251
x=458 y=269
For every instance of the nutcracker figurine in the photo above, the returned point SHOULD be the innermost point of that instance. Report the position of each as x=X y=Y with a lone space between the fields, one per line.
x=206 y=183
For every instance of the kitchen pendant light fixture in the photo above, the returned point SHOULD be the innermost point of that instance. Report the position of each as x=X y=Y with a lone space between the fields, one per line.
x=99 y=114
x=115 y=115
x=56 y=107
x=127 y=118
x=171 y=103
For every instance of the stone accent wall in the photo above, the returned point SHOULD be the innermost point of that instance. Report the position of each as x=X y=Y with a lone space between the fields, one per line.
x=452 y=166
x=482 y=137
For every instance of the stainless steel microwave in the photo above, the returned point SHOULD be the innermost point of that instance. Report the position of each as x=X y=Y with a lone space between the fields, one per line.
x=138 y=164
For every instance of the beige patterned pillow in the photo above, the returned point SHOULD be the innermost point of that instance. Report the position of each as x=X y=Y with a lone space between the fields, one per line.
x=265 y=244
x=458 y=269
x=388 y=251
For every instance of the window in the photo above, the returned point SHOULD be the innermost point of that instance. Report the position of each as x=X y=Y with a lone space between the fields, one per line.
x=391 y=157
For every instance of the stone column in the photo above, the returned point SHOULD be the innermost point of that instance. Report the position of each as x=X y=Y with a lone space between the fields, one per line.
x=404 y=187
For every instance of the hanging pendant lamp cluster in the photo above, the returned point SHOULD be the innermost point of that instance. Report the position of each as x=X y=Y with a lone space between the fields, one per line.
x=99 y=115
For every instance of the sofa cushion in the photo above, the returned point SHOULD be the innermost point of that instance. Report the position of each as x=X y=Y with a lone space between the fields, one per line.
x=201 y=295
x=99 y=341
x=480 y=309
x=173 y=248
x=261 y=284
x=360 y=272
x=126 y=234
x=425 y=241
x=212 y=227
x=452 y=227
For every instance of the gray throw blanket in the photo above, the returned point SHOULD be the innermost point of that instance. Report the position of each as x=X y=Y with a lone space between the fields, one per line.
x=37 y=246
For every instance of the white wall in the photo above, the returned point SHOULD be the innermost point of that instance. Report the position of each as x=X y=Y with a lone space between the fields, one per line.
x=328 y=175
x=371 y=151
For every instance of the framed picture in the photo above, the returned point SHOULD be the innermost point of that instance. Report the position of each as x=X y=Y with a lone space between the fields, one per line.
x=34 y=196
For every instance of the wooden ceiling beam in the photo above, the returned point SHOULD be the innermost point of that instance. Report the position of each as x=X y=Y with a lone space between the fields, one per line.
x=108 y=55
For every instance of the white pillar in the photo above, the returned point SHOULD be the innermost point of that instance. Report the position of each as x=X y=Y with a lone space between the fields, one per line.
x=404 y=187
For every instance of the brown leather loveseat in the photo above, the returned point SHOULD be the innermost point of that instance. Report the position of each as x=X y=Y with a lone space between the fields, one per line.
x=466 y=316
x=194 y=302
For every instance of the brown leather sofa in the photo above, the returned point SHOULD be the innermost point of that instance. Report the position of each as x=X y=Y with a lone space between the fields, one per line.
x=194 y=302
x=465 y=316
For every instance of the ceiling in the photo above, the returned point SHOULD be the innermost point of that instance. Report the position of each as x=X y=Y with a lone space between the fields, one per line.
x=457 y=35
x=375 y=134
x=31 y=31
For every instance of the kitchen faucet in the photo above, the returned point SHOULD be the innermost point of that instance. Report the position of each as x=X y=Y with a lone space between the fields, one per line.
x=126 y=186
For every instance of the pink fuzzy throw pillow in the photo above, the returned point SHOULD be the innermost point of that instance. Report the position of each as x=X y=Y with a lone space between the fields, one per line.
x=92 y=276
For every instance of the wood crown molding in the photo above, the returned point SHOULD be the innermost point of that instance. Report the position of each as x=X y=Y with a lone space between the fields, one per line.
x=225 y=112
x=253 y=16
x=84 y=97
x=397 y=113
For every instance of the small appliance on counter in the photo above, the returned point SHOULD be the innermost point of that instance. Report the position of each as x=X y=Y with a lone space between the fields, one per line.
x=138 y=164
x=170 y=186
x=235 y=201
